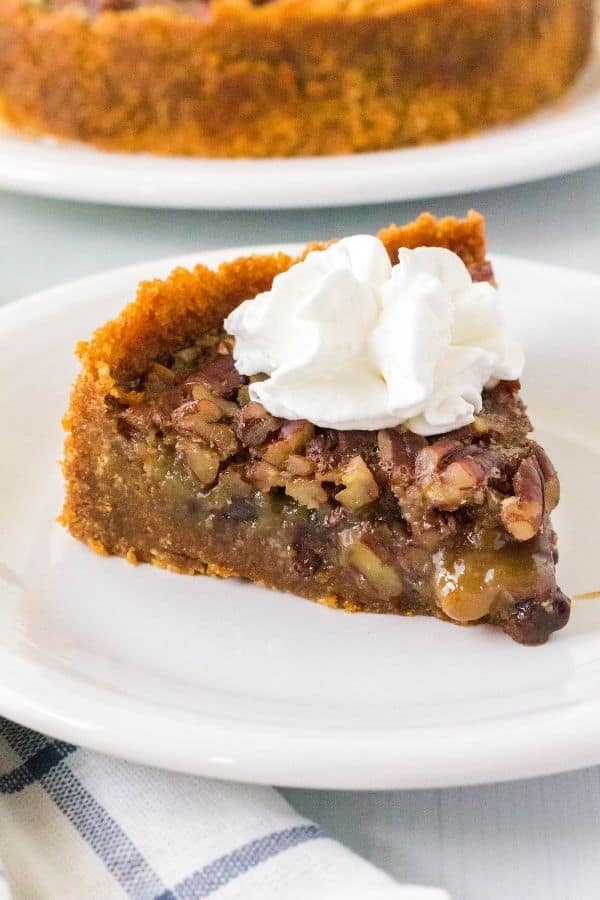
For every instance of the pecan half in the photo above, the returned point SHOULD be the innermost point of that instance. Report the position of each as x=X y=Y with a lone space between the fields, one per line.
x=550 y=476
x=522 y=515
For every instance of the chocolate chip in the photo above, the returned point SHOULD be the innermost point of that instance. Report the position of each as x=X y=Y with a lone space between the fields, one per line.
x=307 y=551
x=533 y=620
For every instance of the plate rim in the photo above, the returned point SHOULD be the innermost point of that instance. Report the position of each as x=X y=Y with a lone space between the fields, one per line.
x=571 y=737
x=48 y=167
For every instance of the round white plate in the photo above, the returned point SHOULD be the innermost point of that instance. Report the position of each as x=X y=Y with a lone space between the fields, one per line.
x=563 y=138
x=227 y=679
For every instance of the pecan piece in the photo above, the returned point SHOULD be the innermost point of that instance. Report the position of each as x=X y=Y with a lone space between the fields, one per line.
x=461 y=482
x=550 y=476
x=265 y=476
x=197 y=418
x=522 y=515
x=451 y=475
x=370 y=566
x=300 y=465
x=183 y=416
x=230 y=487
x=292 y=437
x=306 y=492
x=227 y=407
x=360 y=487
x=398 y=452
x=208 y=410
x=431 y=457
x=203 y=462
x=158 y=378
x=253 y=424
x=219 y=375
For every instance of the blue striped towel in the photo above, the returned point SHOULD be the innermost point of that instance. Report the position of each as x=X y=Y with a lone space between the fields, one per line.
x=77 y=825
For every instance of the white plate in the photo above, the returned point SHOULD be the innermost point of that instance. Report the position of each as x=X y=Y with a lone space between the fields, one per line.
x=564 y=138
x=228 y=679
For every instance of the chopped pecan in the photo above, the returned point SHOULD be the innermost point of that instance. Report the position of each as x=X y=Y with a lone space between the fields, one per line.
x=148 y=415
x=225 y=345
x=227 y=407
x=219 y=375
x=522 y=515
x=200 y=419
x=230 y=487
x=203 y=461
x=461 y=482
x=369 y=565
x=449 y=475
x=265 y=476
x=208 y=410
x=292 y=437
x=183 y=416
x=218 y=436
x=306 y=492
x=431 y=457
x=360 y=486
x=253 y=424
x=158 y=378
x=300 y=465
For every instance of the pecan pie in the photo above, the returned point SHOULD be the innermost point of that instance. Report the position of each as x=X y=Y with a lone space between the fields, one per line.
x=169 y=461
x=228 y=78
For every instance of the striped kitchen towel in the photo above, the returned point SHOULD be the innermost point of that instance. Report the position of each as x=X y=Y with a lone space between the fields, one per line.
x=77 y=825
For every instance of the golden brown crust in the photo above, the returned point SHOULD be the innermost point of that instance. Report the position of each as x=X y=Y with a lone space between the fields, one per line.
x=245 y=80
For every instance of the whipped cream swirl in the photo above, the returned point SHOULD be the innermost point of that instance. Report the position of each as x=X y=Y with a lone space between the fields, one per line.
x=349 y=341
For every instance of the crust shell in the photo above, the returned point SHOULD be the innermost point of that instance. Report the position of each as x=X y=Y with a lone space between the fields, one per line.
x=289 y=77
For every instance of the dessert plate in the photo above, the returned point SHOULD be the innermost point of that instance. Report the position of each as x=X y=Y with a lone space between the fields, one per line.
x=231 y=680
x=564 y=138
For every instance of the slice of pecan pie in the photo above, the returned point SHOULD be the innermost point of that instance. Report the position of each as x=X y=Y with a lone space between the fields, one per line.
x=169 y=460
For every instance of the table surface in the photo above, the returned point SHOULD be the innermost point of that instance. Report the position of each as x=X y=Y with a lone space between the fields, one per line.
x=531 y=840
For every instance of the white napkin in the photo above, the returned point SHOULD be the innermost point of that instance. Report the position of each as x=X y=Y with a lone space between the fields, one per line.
x=77 y=825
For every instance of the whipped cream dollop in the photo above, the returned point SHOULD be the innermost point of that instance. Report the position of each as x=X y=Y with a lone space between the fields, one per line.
x=349 y=341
